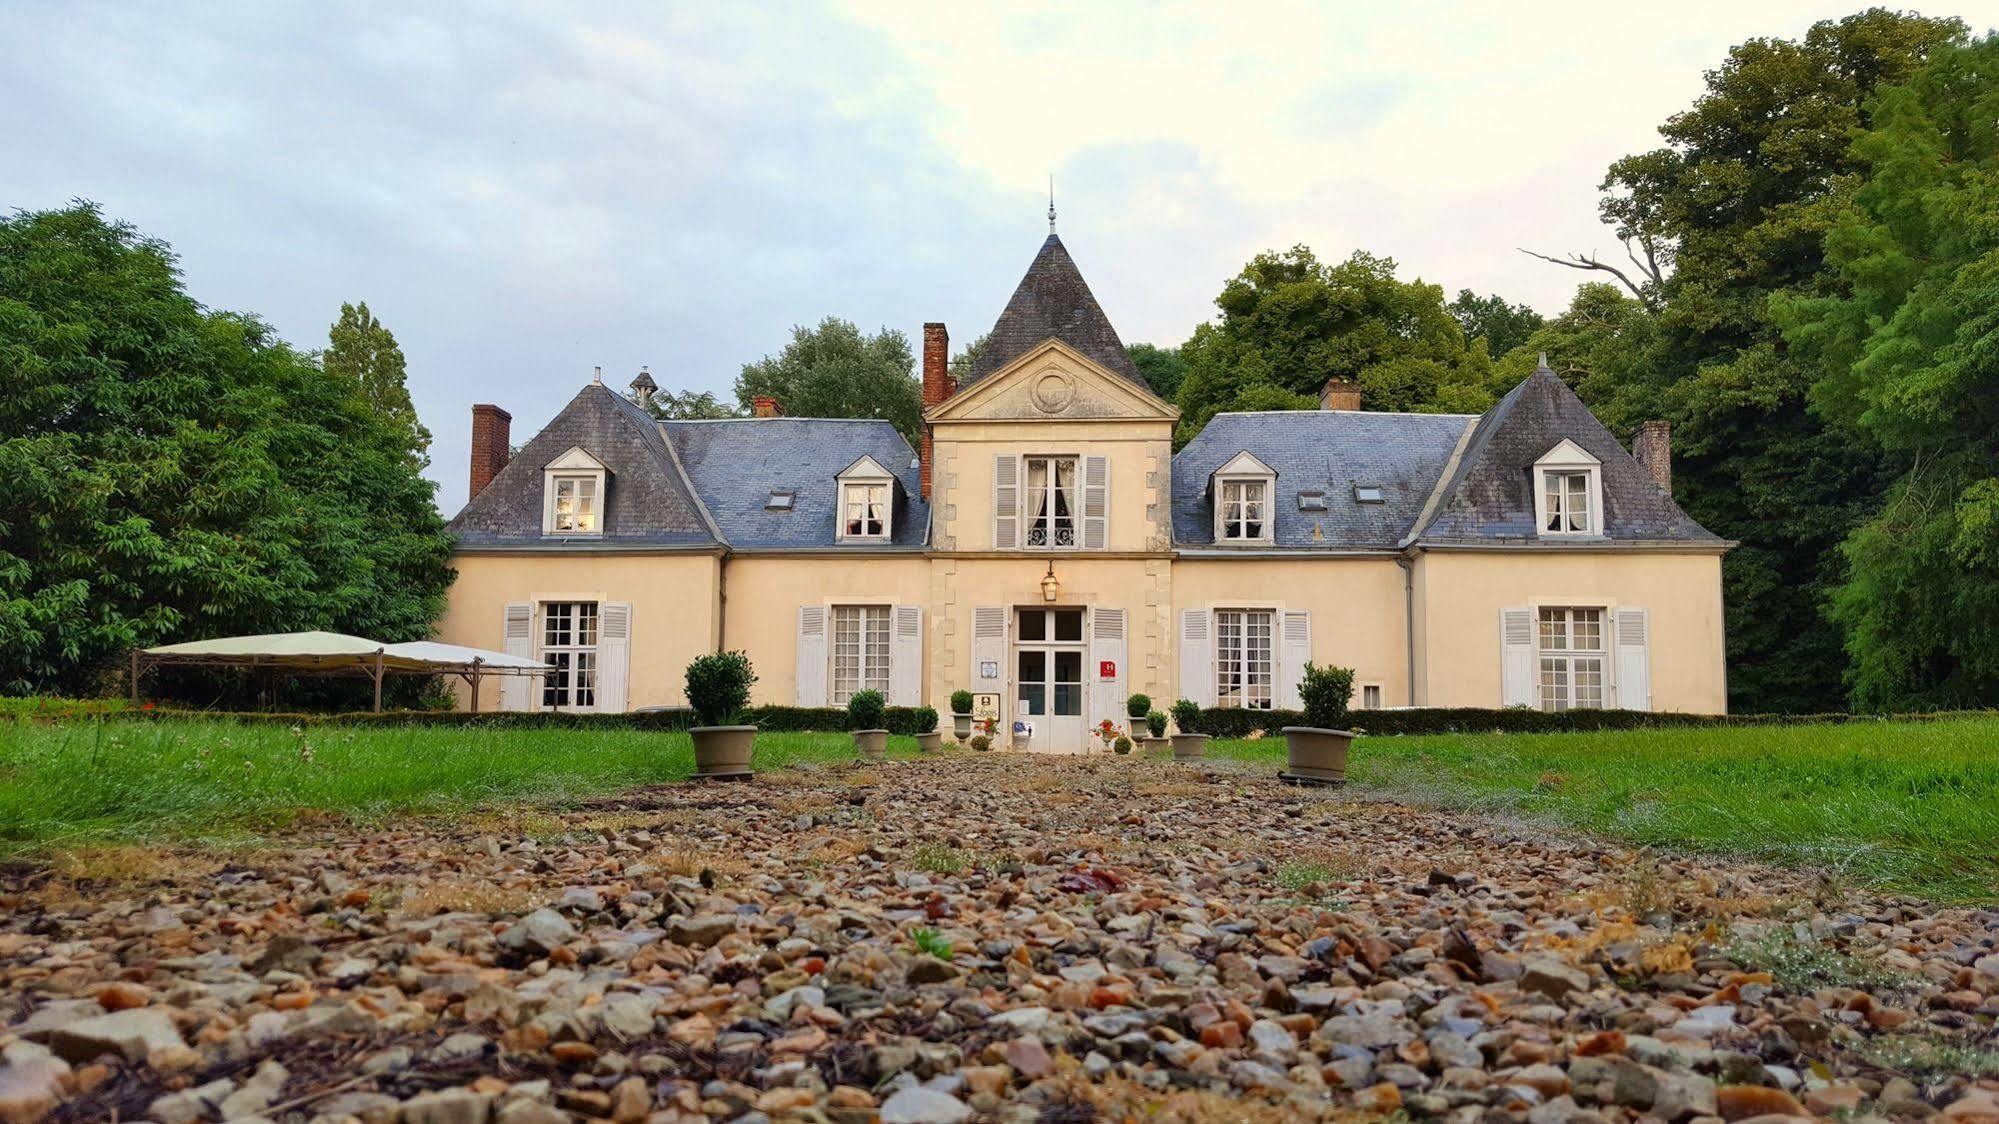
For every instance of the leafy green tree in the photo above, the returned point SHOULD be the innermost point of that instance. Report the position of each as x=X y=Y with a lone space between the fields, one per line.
x=1730 y=214
x=1909 y=355
x=689 y=405
x=1163 y=367
x=179 y=473
x=961 y=363
x=1597 y=345
x=362 y=354
x=834 y=371
x=1503 y=326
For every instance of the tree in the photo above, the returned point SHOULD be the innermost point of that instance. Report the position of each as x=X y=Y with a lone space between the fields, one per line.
x=1909 y=358
x=362 y=354
x=1732 y=213
x=961 y=363
x=1595 y=345
x=834 y=371
x=179 y=473
x=689 y=405
x=1163 y=367
x=1292 y=322
x=1503 y=326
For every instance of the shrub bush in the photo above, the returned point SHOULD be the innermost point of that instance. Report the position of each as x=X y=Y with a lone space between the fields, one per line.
x=1155 y=721
x=924 y=717
x=1326 y=692
x=961 y=702
x=866 y=710
x=718 y=686
x=1122 y=745
x=981 y=743
x=1136 y=706
x=1187 y=716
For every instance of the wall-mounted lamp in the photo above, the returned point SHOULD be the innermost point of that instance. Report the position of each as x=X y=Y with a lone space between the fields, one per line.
x=1050 y=588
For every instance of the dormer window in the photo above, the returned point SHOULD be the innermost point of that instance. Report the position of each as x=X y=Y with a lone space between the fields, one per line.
x=1568 y=493
x=867 y=502
x=573 y=491
x=1242 y=490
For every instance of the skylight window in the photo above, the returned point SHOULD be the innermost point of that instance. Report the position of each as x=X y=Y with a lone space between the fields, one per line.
x=1367 y=493
x=1311 y=501
x=780 y=501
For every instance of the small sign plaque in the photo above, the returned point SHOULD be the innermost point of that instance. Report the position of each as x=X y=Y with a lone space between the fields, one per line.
x=1107 y=669
x=989 y=669
x=985 y=708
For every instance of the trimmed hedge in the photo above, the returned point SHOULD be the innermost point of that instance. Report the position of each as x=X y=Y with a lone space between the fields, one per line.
x=775 y=719
x=1237 y=723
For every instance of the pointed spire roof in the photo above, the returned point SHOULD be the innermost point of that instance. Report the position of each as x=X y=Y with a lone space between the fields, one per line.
x=1054 y=302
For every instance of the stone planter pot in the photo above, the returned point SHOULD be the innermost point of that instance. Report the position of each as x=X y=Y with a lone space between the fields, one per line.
x=961 y=727
x=723 y=751
x=871 y=743
x=930 y=742
x=1315 y=755
x=1151 y=744
x=1190 y=747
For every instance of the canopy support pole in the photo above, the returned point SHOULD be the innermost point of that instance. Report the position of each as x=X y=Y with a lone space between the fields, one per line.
x=475 y=684
x=377 y=673
x=134 y=677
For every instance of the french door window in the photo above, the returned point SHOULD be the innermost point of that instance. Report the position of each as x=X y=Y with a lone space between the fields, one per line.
x=867 y=510
x=1050 y=502
x=1571 y=659
x=1244 y=503
x=1566 y=503
x=860 y=651
x=569 y=647
x=1243 y=658
x=575 y=508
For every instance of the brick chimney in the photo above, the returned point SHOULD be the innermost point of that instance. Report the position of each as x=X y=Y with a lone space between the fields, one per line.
x=764 y=406
x=1340 y=394
x=937 y=386
x=492 y=429
x=1653 y=448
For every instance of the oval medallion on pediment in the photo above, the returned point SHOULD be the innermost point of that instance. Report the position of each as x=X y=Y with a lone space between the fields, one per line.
x=1053 y=391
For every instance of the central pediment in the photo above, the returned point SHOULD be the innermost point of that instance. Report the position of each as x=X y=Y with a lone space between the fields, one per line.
x=1053 y=382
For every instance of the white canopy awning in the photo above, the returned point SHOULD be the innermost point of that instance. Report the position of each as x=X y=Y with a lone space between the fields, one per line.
x=335 y=653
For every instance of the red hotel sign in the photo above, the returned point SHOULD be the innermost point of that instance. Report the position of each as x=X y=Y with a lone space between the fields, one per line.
x=1107 y=669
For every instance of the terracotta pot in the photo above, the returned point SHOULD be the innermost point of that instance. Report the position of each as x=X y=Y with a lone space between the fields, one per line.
x=1316 y=754
x=871 y=743
x=723 y=751
x=1190 y=747
x=930 y=742
x=961 y=727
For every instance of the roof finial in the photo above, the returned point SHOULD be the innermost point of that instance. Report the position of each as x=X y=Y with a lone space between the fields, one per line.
x=1544 y=362
x=598 y=378
x=1051 y=202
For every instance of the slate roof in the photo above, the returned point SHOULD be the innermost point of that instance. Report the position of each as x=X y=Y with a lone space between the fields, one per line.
x=1054 y=302
x=646 y=500
x=1490 y=495
x=1326 y=451
x=735 y=464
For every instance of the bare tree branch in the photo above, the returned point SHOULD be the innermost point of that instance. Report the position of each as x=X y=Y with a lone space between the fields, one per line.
x=1589 y=262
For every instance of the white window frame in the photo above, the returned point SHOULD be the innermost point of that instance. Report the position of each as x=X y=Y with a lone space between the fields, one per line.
x=1244 y=474
x=1360 y=697
x=870 y=629
x=1566 y=461
x=1236 y=656
x=575 y=470
x=1564 y=668
x=865 y=493
x=1052 y=489
x=574 y=677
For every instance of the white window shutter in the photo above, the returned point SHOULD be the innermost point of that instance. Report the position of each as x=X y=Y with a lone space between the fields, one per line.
x=1006 y=503
x=518 y=635
x=1096 y=502
x=1197 y=661
x=1516 y=658
x=905 y=656
x=989 y=651
x=614 y=656
x=1107 y=646
x=1296 y=632
x=810 y=675
x=1634 y=659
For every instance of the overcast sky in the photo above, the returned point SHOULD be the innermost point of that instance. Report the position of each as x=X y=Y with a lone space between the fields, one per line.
x=524 y=192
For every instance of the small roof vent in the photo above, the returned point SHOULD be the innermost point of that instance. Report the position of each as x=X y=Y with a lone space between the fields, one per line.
x=1367 y=493
x=1311 y=501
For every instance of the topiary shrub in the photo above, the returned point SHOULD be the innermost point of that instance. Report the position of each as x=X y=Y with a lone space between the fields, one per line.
x=926 y=719
x=981 y=743
x=1155 y=721
x=1326 y=692
x=1136 y=706
x=1187 y=716
x=1122 y=745
x=718 y=686
x=961 y=702
x=865 y=710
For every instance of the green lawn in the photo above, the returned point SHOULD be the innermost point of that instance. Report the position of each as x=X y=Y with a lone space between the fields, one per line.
x=1907 y=805
x=86 y=781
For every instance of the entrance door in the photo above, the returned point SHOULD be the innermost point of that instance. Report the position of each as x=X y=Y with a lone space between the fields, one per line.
x=1048 y=681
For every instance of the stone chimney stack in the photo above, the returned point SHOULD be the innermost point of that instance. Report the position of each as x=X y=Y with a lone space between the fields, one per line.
x=764 y=406
x=937 y=386
x=492 y=430
x=1340 y=394
x=643 y=388
x=1653 y=448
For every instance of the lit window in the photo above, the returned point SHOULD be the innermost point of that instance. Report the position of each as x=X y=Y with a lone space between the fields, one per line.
x=575 y=508
x=860 y=651
x=864 y=512
x=569 y=648
x=1571 y=657
x=1245 y=507
x=1050 y=498
x=1243 y=664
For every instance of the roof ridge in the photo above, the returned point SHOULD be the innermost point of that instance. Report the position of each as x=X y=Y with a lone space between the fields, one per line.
x=687 y=481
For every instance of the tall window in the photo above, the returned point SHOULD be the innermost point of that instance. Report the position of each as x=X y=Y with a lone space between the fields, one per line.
x=1243 y=658
x=860 y=651
x=575 y=508
x=1571 y=659
x=866 y=510
x=1244 y=506
x=1050 y=501
x=569 y=647
x=1566 y=503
